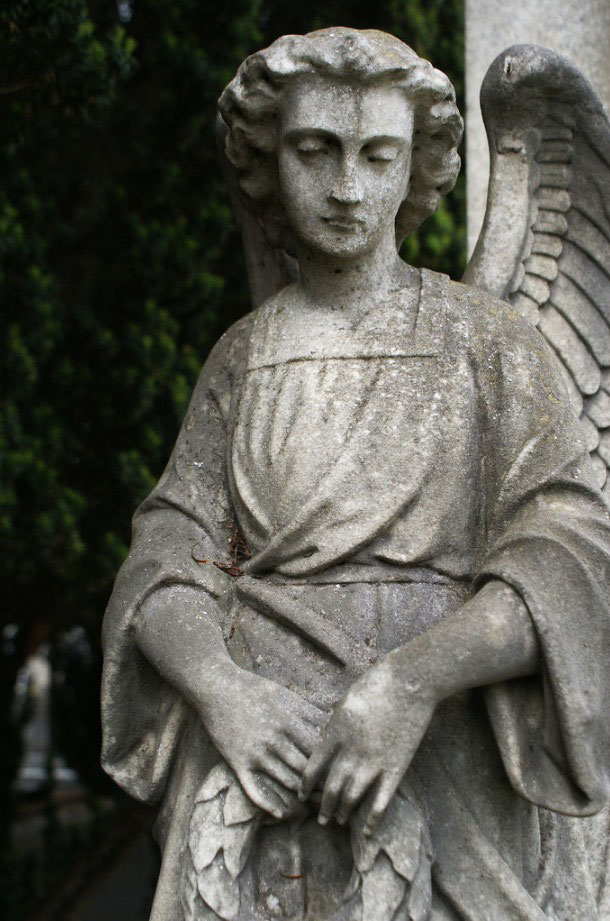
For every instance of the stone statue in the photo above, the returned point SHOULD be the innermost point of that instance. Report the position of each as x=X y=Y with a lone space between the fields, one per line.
x=359 y=650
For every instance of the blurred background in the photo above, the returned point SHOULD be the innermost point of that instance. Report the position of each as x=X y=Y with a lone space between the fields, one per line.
x=120 y=266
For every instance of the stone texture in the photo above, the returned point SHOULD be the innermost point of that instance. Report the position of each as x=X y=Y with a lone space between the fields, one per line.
x=577 y=29
x=358 y=651
x=550 y=175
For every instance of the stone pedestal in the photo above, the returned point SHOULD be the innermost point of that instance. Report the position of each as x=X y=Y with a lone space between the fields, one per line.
x=578 y=29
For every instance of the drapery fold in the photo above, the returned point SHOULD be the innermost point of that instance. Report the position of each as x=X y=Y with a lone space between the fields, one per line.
x=459 y=457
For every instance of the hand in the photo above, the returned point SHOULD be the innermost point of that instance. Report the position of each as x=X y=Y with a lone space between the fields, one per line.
x=370 y=740
x=266 y=733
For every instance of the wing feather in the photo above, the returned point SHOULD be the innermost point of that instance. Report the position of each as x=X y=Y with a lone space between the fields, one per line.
x=575 y=305
x=559 y=277
x=592 y=244
x=604 y=446
x=527 y=306
x=572 y=350
x=542 y=266
x=549 y=221
x=587 y=280
x=598 y=409
x=592 y=436
x=547 y=245
x=535 y=287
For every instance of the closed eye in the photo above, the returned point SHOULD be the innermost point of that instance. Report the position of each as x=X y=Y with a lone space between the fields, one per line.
x=380 y=153
x=308 y=150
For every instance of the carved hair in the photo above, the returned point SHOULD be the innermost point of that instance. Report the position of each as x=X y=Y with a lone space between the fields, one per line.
x=250 y=107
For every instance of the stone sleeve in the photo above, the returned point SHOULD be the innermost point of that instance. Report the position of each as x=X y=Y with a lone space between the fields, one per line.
x=548 y=537
x=178 y=533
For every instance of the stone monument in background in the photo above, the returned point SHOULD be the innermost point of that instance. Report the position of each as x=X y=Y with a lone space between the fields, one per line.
x=578 y=29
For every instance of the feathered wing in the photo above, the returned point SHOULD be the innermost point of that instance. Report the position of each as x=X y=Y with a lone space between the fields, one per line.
x=545 y=242
x=269 y=269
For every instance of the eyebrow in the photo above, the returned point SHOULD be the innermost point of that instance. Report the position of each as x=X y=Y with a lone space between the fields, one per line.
x=324 y=133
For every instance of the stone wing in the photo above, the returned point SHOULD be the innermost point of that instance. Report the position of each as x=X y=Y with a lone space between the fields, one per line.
x=269 y=269
x=545 y=242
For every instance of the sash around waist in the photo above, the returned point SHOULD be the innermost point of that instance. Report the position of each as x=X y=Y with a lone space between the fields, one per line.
x=346 y=625
x=350 y=572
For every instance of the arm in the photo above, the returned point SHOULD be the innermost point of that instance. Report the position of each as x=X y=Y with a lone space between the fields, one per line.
x=491 y=639
x=264 y=731
x=546 y=540
x=378 y=726
x=163 y=631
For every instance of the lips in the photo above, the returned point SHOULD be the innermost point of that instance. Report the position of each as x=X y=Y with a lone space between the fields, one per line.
x=341 y=222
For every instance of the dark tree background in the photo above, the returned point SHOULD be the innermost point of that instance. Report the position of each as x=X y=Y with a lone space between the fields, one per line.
x=120 y=265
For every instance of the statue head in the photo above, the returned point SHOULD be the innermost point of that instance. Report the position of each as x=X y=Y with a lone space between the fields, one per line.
x=263 y=91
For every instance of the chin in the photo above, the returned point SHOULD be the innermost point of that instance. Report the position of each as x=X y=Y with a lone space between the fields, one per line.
x=343 y=246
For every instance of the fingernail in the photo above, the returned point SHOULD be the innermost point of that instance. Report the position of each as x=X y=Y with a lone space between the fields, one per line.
x=302 y=796
x=322 y=820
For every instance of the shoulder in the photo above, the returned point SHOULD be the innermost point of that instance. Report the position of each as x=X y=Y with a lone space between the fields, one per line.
x=486 y=317
x=231 y=350
x=486 y=323
x=227 y=359
x=228 y=356
x=502 y=345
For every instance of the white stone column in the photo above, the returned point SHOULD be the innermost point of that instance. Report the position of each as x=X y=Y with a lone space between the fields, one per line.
x=578 y=29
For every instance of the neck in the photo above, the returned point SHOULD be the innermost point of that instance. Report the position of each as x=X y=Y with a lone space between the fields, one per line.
x=329 y=281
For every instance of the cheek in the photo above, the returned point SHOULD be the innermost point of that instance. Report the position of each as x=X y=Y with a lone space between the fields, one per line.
x=303 y=189
x=386 y=191
x=297 y=186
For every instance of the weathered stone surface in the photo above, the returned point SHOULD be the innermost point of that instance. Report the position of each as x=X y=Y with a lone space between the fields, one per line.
x=358 y=652
x=578 y=30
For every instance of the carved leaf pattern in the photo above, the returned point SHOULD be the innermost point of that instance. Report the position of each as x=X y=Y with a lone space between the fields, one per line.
x=392 y=868
x=556 y=264
x=391 y=880
x=223 y=827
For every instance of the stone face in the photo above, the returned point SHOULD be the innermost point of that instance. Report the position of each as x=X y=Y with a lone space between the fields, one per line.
x=578 y=30
x=358 y=651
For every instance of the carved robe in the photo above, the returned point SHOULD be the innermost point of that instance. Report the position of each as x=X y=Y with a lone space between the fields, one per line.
x=379 y=475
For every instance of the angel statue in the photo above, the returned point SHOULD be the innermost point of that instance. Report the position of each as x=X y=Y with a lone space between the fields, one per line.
x=359 y=653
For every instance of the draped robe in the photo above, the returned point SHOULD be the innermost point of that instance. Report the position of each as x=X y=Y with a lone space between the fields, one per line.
x=380 y=475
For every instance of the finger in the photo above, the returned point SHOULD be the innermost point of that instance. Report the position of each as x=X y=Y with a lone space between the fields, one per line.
x=279 y=771
x=287 y=798
x=385 y=791
x=338 y=776
x=303 y=736
x=314 y=716
x=321 y=754
x=290 y=801
x=288 y=752
x=263 y=796
x=353 y=791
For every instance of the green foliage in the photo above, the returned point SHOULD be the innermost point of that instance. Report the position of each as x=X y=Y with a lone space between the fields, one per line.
x=119 y=261
x=120 y=265
x=112 y=264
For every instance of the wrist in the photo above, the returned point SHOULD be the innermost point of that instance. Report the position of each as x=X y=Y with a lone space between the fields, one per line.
x=218 y=681
x=490 y=639
x=420 y=670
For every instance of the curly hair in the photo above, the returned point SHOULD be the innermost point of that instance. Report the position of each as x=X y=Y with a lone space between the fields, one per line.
x=250 y=107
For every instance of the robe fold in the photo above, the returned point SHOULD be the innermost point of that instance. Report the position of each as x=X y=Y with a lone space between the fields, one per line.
x=380 y=475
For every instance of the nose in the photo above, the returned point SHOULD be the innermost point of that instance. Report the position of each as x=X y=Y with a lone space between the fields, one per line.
x=347 y=187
